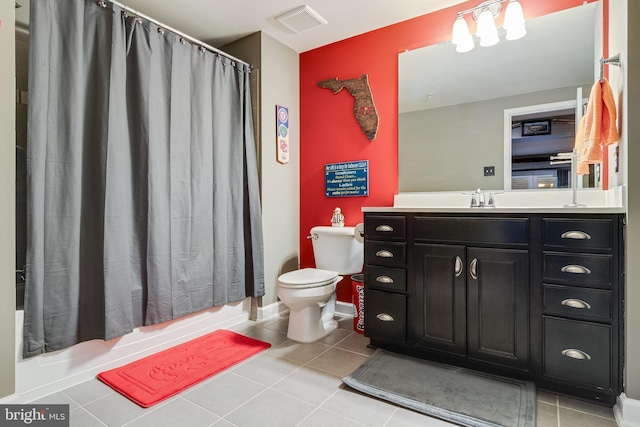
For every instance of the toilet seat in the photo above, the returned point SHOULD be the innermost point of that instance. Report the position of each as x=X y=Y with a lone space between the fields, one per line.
x=307 y=278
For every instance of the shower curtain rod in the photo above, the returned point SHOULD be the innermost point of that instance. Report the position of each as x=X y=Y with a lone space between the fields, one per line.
x=173 y=30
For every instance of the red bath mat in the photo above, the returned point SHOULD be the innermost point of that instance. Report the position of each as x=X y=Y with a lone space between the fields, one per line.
x=159 y=376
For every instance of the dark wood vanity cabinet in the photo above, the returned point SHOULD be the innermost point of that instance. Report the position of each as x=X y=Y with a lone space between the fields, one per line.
x=472 y=301
x=385 y=278
x=534 y=295
x=470 y=288
x=582 y=282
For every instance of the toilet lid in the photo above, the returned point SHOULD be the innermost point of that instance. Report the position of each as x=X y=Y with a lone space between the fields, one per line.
x=307 y=278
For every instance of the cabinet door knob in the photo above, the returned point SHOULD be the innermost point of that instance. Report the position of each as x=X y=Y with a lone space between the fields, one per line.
x=576 y=269
x=576 y=303
x=576 y=354
x=384 y=228
x=457 y=269
x=385 y=317
x=384 y=279
x=577 y=235
x=384 y=254
x=473 y=268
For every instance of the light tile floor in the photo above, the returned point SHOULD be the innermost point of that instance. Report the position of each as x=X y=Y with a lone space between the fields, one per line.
x=291 y=384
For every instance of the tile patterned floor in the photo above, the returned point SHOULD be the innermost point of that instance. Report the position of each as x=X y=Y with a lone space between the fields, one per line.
x=291 y=384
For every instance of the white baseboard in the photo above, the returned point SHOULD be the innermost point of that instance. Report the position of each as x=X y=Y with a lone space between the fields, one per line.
x=627 y=411
x=49 y=373
x=273 y=310
x=345 y=309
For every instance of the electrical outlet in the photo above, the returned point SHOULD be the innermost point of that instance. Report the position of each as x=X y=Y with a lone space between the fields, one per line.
x=489 y=170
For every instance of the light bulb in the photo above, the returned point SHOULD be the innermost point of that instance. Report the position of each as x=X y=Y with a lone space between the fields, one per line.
x=514 y=21
x=460 y=30
x=465 y=44
x=487 y=30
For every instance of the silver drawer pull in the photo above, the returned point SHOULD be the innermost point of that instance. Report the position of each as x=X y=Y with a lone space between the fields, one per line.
x=385 y=228
x=577 y=235
x=473 y=269
x=385 y=317
x=576 y=303
x=576 y=354
x=457 y=268
x=384 y=254
x=384 y=279
x=576 y=269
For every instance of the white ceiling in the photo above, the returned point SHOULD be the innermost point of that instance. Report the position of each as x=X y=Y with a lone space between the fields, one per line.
x=220 y=22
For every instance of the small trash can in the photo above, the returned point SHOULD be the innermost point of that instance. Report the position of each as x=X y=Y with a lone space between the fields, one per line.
x=357 y=282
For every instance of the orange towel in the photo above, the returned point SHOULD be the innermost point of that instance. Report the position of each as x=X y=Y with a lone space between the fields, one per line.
x=597 y=128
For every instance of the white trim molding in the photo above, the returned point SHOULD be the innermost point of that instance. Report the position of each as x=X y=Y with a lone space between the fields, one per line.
x=271 y=311
x=49 y=373
x=627 y=411
x=345 y=309
x=276 y=309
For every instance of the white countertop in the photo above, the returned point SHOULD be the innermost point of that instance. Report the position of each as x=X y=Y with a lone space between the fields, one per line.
x=542 y=209
x=529 y=201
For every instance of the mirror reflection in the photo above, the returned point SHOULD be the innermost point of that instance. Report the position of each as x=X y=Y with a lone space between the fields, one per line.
x=451 y=124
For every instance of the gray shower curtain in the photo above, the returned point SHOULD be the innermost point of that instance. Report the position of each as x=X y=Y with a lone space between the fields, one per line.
x=143 y=201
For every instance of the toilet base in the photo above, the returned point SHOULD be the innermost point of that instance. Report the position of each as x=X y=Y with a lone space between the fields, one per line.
x=307 y=325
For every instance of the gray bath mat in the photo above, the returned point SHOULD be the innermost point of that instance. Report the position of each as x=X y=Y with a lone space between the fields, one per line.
x=457 y=395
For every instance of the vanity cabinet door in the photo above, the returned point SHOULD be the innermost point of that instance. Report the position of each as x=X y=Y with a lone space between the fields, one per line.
x=498 y=306
x=582 y=285
x=385 y=253
x=579 y=352
x=439 y=302
x=573 y=233
x=385 y=227
x=385 y=318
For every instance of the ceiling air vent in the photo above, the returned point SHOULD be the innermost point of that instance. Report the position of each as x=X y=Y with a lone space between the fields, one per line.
x=301 y=19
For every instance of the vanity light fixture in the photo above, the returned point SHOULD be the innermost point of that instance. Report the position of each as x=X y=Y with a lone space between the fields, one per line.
x=514 y=21
x=461 y=36
x=485 y=14
x=486 y=28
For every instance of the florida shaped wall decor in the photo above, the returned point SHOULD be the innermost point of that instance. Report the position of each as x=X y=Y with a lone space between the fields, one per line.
x=364 y=109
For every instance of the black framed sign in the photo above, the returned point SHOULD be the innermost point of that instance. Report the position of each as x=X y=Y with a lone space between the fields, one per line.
x=347 y=179
x=537 y=127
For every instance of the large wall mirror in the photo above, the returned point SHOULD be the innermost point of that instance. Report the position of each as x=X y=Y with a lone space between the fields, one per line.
x=452 y=105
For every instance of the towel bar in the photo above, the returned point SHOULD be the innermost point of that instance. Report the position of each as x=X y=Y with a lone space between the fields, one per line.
x=614 y=60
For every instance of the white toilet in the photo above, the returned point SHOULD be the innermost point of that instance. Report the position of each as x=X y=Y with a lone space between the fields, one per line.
x=310 y=293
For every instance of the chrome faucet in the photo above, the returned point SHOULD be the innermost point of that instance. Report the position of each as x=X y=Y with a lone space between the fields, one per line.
x=480 y=195
x=478 y=199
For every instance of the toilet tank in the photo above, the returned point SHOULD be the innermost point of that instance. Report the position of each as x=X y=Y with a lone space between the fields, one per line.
x=336 y=249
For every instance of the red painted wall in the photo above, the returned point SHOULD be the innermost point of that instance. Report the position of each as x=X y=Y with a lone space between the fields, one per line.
x=329 y=132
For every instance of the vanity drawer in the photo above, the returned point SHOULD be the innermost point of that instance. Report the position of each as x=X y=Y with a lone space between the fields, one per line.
x=386 y=316
x=579 y=233
x=514 y=231
x=577 y=351
x=385 y=278
x=385 y=226
x=385 y=253
x=579 y=269
x=590 y=304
